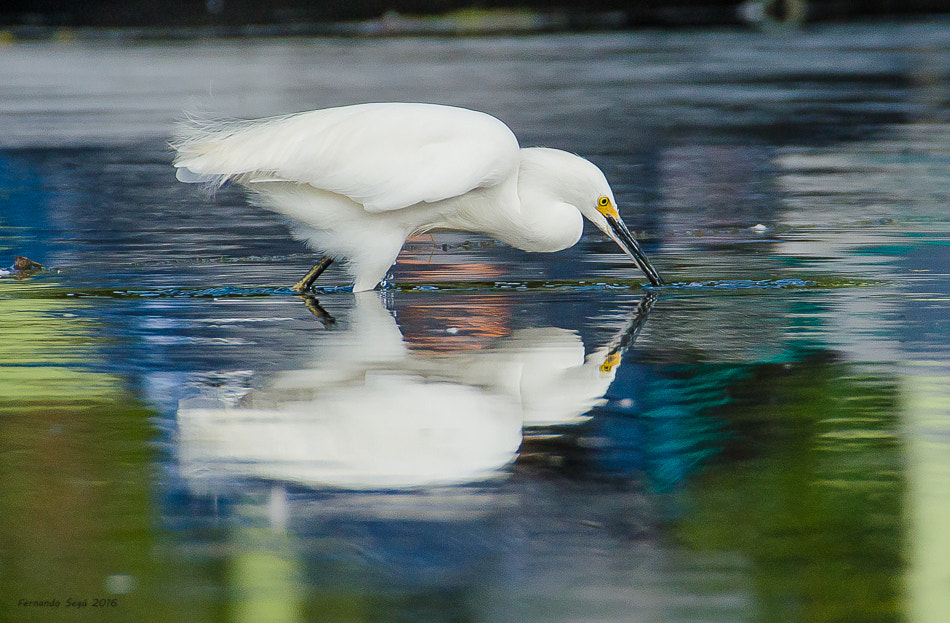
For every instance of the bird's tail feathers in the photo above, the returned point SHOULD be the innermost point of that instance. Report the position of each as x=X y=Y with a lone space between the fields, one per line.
x=206 y=151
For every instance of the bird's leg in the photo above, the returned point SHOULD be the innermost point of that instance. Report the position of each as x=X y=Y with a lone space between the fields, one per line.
x=304 y=284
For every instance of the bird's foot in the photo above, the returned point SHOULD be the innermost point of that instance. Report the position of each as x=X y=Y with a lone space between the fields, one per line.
x=306 y=283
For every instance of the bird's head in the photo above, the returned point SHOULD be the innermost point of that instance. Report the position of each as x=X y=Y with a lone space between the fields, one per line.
x=576 y=181
x=603 y=213
x=596 y=202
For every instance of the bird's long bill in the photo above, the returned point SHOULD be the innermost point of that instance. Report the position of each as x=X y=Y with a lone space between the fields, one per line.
x=628 y=243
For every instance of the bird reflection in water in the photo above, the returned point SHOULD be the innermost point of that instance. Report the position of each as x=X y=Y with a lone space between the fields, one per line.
x=370 y=413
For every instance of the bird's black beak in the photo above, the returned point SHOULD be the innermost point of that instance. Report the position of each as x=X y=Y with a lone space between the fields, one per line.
x=628 y=243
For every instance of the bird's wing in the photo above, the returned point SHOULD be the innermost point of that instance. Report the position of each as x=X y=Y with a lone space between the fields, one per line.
x=383 y=156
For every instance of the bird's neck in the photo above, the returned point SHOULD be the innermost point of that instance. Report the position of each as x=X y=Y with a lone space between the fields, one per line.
x=524 y=215
x=546 y=223
x=527 y=218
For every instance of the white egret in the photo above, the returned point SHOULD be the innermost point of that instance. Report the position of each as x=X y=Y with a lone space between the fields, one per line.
x=359 y=180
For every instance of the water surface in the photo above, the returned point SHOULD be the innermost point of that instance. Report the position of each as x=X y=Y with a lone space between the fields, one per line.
x=497 y=435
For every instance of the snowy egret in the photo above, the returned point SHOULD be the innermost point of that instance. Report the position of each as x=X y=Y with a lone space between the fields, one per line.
x=357 y=181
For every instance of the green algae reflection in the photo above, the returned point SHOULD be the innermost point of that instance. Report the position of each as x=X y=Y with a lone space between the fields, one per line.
x=76 y=517
x=810 y=493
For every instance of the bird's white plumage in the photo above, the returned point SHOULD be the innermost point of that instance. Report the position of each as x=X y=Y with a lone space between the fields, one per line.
x=358 y=180
x=381 y=156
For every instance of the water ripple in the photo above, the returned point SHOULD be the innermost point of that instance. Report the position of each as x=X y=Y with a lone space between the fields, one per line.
x=582 y=285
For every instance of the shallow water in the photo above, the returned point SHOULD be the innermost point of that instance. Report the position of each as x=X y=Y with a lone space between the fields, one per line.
x=497 y=435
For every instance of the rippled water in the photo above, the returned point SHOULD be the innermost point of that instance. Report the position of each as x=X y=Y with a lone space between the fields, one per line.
x=497 y=435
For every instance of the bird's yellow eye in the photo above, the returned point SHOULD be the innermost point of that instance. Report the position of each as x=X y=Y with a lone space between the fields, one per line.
x=606 y=207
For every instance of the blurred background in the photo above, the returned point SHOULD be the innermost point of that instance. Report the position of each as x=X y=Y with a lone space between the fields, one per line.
x=233 y=17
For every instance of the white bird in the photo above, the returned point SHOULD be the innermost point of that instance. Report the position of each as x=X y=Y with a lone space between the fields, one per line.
x=357 y=181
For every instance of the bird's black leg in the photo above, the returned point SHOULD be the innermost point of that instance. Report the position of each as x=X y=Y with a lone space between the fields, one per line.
x=304 y=284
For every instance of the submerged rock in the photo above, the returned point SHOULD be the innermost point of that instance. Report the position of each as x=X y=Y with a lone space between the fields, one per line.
x=25 y=264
